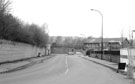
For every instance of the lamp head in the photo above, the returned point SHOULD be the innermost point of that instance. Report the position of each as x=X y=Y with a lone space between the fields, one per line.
x=92 y=9
x=133 y=30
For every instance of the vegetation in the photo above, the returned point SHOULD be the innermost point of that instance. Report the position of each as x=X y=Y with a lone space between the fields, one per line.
x=11 y=28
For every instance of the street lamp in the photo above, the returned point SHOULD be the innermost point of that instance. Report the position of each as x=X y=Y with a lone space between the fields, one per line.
x=101 y=30
x=132 y=37
x=83 y=35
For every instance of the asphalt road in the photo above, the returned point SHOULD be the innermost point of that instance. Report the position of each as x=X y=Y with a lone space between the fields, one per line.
x=65 y=69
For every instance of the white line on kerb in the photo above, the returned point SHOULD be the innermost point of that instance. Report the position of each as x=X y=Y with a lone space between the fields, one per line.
x=66 y=66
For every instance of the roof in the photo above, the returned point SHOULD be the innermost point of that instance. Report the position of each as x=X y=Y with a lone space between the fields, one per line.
x=97 y=40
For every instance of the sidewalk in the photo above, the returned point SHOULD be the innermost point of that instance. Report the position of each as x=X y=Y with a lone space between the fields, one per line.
x=111 y=65
x=10 y=66
x=15 y=66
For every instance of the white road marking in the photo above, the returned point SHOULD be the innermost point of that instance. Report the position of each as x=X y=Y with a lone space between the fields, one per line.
x=66 y=66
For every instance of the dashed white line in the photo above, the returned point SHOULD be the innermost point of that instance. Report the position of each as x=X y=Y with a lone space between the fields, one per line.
x=66 y=66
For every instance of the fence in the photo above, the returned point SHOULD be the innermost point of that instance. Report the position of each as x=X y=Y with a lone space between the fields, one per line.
x=113 y=56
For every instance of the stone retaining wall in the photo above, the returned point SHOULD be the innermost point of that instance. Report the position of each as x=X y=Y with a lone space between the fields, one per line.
x=9 y=52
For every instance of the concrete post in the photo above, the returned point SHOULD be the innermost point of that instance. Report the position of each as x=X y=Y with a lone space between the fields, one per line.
x=129 y=70
x=134 y=76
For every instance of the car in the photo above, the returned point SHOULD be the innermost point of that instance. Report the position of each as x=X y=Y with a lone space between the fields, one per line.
x=78 y=53
x=71 y=53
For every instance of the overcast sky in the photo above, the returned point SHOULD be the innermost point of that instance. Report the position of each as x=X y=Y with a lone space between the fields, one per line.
x=74 y=17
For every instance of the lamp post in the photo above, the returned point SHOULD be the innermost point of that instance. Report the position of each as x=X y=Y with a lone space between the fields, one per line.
x=83 y=35
x=101 y=30
x=83 y=44
x=132 y=37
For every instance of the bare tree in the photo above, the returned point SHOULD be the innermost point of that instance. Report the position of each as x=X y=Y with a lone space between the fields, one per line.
x=12 y=28
x=5 y=6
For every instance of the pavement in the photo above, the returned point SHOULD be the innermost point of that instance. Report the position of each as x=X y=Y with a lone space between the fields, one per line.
x=7 y=67
x=19 y=65
x=113 y=66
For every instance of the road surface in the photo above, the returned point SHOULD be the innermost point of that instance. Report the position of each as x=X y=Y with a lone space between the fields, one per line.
x=65 y=69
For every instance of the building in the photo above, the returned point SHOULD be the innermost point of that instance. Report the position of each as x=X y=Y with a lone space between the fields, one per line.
x=48 y=49
x=108 y=44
